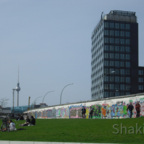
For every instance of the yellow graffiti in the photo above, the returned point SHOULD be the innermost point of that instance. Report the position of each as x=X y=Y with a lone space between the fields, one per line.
x=87 y=113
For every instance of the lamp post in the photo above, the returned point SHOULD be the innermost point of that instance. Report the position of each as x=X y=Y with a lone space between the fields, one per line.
x=45 y=95
x=101 y=81
x=63 y=90
x=36 y=99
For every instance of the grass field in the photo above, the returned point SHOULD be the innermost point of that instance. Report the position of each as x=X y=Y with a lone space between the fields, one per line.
x=80 y=130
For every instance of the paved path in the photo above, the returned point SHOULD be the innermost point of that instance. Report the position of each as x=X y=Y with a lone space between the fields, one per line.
x=27 y=142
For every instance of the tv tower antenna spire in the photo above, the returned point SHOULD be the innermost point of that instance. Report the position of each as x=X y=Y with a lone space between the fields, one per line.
x=18 y=88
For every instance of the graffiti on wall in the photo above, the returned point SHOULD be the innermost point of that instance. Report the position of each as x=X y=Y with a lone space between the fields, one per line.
x=108 y=110
x=62 y=113
x=75 y=111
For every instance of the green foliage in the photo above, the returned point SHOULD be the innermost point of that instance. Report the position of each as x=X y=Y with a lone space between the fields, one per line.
x=75 y=130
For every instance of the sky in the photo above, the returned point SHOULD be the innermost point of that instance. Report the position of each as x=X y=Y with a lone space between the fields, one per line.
x=50 y=42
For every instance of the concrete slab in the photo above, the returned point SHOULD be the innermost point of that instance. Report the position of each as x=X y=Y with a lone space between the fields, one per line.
x=29 y=142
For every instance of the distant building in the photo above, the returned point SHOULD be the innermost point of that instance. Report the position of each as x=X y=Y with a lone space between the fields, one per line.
x=6 y=110
x=114 y=63
x=0 y=109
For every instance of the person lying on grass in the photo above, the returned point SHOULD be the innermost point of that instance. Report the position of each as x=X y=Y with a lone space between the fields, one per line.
x=29 y=122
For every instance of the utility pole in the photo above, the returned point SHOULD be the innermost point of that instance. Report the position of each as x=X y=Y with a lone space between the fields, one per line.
x=13 y=99
x=29 y=102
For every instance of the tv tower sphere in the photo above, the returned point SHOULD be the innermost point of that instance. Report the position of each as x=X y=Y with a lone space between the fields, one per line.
x=17 y=87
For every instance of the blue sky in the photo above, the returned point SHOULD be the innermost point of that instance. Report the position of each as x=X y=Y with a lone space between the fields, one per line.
x=50 y=40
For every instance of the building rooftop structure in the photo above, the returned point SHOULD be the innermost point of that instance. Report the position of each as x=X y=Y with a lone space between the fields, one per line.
x=118 y=15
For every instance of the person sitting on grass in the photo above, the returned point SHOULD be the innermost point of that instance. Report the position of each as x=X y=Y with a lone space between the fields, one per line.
x=27 y=122
x=12 y=126
x=32 y=121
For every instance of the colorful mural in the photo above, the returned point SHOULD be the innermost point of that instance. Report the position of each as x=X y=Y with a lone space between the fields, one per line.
x=75 y=111
x=109 y=109
x=62 y=113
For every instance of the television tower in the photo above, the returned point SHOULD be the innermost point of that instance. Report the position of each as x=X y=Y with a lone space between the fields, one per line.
x=18 y=89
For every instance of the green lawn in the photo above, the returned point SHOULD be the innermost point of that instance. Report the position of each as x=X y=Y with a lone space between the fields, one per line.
x=79 y=130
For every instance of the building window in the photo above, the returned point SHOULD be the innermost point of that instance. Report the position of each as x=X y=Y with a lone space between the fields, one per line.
x=122 y=56
x=116 y=33
x=122 y=33
x=117 y=79
x=122 y=79
x=106 y=86
x=106 y=63
x=117 y=56
x=127 y=79
x=141 y=87
x=106 y=25
x=106 y=40
x=122 y=41
x=117 y=25
x=116 y=41
x=106 y=94
x=128 y=87
x=106 y=48
x=127 y=72
x=111 y=79
x=141 y=80
x=111 y=40
x=111 y=56
x=117 y=48
x=106 y=32
x=122 y=72
x=122 y=48
x=121 y=64
x=127 y=34
x=122 y=87
x=106 y=55
x=111 y=86
x=111 y=48
x=111 y=25
x=111 y=33
x=127 y=56
x=116 y=63
x=127 y=42
x=106 y=70
x=140 y=72
x=127 y=49
x=127 y=26
x=122 y=26
x=111 y=63
x=106 y=79
x=127 y=64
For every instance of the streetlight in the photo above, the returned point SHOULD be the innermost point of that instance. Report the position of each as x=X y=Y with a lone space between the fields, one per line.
x=103 y=78
x=36 y=99
x=63 y=90
x=45 y=95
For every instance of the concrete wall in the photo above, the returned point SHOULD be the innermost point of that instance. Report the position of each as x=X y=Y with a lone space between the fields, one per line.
x=107 y=108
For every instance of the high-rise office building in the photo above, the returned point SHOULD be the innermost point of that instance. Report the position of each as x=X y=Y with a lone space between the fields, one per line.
x=114 y=64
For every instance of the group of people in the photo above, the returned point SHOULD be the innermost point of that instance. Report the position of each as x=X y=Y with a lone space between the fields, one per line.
x=84 y=112
x=9 y=125
x=130 y=108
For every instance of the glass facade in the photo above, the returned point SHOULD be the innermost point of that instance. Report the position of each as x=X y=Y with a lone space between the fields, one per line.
x=112 y=59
